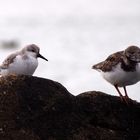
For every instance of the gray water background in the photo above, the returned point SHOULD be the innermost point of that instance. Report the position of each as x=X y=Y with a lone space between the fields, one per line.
x=73 y=35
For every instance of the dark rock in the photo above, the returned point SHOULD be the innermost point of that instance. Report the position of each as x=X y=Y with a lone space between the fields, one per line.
x=33 y=108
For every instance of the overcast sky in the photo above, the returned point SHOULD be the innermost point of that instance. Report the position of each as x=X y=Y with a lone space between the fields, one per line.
x=62 y=7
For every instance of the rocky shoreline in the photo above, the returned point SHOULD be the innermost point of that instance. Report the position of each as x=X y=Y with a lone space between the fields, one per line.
x=33 y=108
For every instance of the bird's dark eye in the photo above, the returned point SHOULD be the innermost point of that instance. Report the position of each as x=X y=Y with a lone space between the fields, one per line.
x=32 y=50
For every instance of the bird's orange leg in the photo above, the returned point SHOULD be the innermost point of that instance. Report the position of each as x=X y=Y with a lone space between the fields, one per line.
x=121 y=96
x=126 y=95
x=123 y=99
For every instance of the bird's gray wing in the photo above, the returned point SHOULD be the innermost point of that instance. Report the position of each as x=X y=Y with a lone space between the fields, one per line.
x=8 y=61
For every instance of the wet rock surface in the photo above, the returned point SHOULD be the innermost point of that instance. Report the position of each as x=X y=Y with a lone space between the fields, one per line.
x=33 y=108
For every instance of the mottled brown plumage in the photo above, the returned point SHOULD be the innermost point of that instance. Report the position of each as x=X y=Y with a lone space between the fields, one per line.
x=110 y=62
x=8 y=60
x=121 y=69
x=128 y=59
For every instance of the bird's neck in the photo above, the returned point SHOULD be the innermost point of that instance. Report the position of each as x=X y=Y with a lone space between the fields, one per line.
x=128 y=65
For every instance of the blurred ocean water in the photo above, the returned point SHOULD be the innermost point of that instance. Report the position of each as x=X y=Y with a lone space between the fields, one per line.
x=73 y=35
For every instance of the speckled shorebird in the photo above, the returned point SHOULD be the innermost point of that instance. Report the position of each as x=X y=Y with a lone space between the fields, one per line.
x=22 y=62
x=121 y=69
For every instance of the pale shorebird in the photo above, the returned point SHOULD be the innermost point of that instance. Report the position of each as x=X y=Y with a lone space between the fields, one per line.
x=22 y=62
x=121 y=69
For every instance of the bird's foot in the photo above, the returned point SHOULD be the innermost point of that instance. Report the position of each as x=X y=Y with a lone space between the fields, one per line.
x=125 y=99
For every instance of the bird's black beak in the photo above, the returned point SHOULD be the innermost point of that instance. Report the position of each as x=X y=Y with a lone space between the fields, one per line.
x=39 y=55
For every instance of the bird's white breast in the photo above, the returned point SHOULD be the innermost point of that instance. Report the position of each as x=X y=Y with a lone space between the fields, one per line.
x=22 y=65
x=120 y=77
